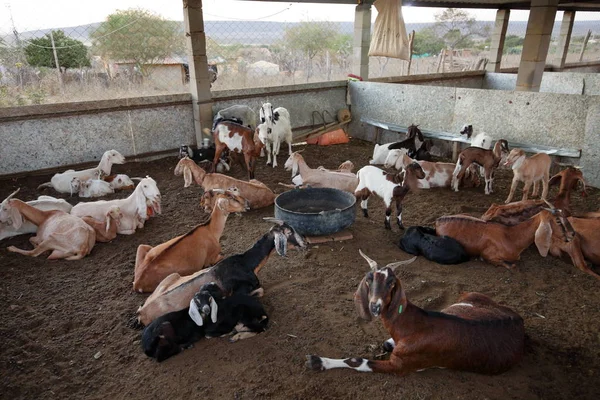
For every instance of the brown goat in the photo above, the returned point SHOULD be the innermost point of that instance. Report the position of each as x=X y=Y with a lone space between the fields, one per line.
x=475 y=334
x=502 y=245
x=488 y=159
x=189 y=253
x=530 y=170
x=519 y=211
x=257 y=193
x=238 y=139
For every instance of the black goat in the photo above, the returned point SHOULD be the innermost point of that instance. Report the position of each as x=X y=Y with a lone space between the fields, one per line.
x=422 y=153
x=205 y=155
x=420 y=240
x=413 y=132
x=176 y=331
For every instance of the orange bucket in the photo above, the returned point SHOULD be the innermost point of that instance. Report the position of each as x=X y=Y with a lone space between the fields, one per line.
x=334 y=137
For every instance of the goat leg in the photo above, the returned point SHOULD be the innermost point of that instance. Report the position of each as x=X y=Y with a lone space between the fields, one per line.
x=399 y=214
x=317 y=363
x=388 y=213
x=526 y=190
x=513 y=187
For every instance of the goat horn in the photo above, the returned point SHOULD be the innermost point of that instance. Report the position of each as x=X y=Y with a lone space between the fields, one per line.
x=10 y=196
x=274 y=220
x=372 y=263
x=136 y=179
x=393 y=266
x=549 y=204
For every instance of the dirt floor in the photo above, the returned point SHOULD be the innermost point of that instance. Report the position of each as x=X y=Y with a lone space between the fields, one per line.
x=65 y=331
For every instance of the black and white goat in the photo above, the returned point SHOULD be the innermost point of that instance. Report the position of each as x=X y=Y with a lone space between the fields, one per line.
x=410 y=145
x=210 y=314
x=205 y=155
x=275 y=127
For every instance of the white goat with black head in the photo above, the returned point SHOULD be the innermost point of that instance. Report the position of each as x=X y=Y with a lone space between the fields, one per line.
x=274 y=128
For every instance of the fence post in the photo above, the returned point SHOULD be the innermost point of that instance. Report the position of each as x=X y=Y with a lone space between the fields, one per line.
x=497 y=44
x=60 y=81
x=566 y=28
x=585 y=42
x=198 y=66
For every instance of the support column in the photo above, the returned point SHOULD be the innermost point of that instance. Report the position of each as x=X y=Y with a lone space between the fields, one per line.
x=362 y=40
x=497 y=45
x=535 y=47
x=566 y=27
x=198 y=66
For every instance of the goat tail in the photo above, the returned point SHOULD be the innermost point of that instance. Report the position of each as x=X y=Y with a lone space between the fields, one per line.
x=45 y=185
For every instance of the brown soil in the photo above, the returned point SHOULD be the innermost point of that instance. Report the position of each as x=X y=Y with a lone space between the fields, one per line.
x=56 y=315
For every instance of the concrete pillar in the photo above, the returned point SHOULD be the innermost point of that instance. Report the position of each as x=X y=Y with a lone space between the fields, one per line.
x=362 y=40
x=535 y=47
x=198 y=62
x=566 y=27
x=497 y=45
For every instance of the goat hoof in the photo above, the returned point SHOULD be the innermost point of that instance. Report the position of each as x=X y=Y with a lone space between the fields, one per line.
x=388 y=347
x=268 y=164
x=388 y=227
x=365 y=213
x=314 y=363
x=401 y=226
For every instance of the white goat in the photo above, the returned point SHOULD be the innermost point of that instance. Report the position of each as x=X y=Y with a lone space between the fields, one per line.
x=380 y=153
x=303 y=174
x=119 y=181
x=275 y=127
x=437 y=174
x=145 y=197
x=62 y=182
x=91 y=187
x=44 y=203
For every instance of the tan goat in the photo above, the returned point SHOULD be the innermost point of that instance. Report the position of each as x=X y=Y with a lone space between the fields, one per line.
x=256 y=192
x=66 y=235
x=302 y=174
x=106 y=231
x=530 y=170
x=187 y=253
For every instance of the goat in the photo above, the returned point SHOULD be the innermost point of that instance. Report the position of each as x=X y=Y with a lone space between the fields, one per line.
x=475 y=334
x=529 y=170
x=302 y=174
x=106 y=231
x=488 y=159
x=513 y=213
x=44 y=203
x=421 y=240
x=65 y=235
x=238 y=139
x=137 y=208
x=92 y=187
x=119 y=182
x=388 y=187
x=62 y=182
x=205 y=154
x=241 y=113
x=257 y=193
x=437 y=174
x=422 y=153
x=482 y=140
x=235 y=273
x=275 y=127
x=189 y=253
x=501 y=245
x=168 y=335
x=346 y=166
x=380 y=152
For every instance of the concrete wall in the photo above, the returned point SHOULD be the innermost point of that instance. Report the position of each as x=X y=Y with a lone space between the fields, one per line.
x=558 y=120
x=53 y=135
x=58 y=135
x=552 y=82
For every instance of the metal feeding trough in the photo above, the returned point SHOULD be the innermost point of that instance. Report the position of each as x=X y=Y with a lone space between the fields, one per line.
x=316 y=211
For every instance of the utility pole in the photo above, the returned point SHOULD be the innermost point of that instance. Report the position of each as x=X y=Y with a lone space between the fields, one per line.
x=57 y=64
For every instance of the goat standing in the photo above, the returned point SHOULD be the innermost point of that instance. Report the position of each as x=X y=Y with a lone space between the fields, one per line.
x=488 y=159
x=475 y=334
x=275 y=128
x=529 y=170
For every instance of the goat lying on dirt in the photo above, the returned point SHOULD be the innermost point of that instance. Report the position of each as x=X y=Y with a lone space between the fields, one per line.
x=256 y=192
x=62 y=182
x=421 y=240
x=235 y=273
x=302 y=174
x=475 y=334
x=106 y=231
x=189 y=253
x=65 y=235
x=214 y=315
x=44 y=203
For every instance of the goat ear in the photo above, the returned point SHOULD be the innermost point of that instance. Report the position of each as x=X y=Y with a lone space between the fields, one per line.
x=543 y=237
x=187 y=177
x=280 y=243
x=361 y=300
x=194 y=313
x=17 y=218
x=214 y=310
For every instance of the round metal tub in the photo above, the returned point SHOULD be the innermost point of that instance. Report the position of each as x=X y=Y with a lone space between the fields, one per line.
x=316 y=211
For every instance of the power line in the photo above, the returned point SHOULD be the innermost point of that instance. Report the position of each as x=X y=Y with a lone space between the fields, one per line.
x=246 y=19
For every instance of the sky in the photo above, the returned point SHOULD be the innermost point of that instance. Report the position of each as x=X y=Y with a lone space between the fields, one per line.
x=41 y=14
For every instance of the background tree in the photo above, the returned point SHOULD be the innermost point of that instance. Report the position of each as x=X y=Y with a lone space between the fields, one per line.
x=341 y=47
x=311 y=38
x=457 y=28
x=71 y=53
x=138 y=36
x=427 y=42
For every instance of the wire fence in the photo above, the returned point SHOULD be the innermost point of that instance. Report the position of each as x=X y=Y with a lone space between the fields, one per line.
x=138 y=52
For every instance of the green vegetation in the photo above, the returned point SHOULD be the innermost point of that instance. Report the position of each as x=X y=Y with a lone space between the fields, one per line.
x=71 y=53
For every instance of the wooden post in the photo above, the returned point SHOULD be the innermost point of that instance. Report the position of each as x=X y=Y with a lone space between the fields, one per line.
x=585 y=42
x=60 y=81
x=455 y=150
x=411 y=39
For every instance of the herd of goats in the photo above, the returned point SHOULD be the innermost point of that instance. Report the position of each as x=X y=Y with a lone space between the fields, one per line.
x=196 y=292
